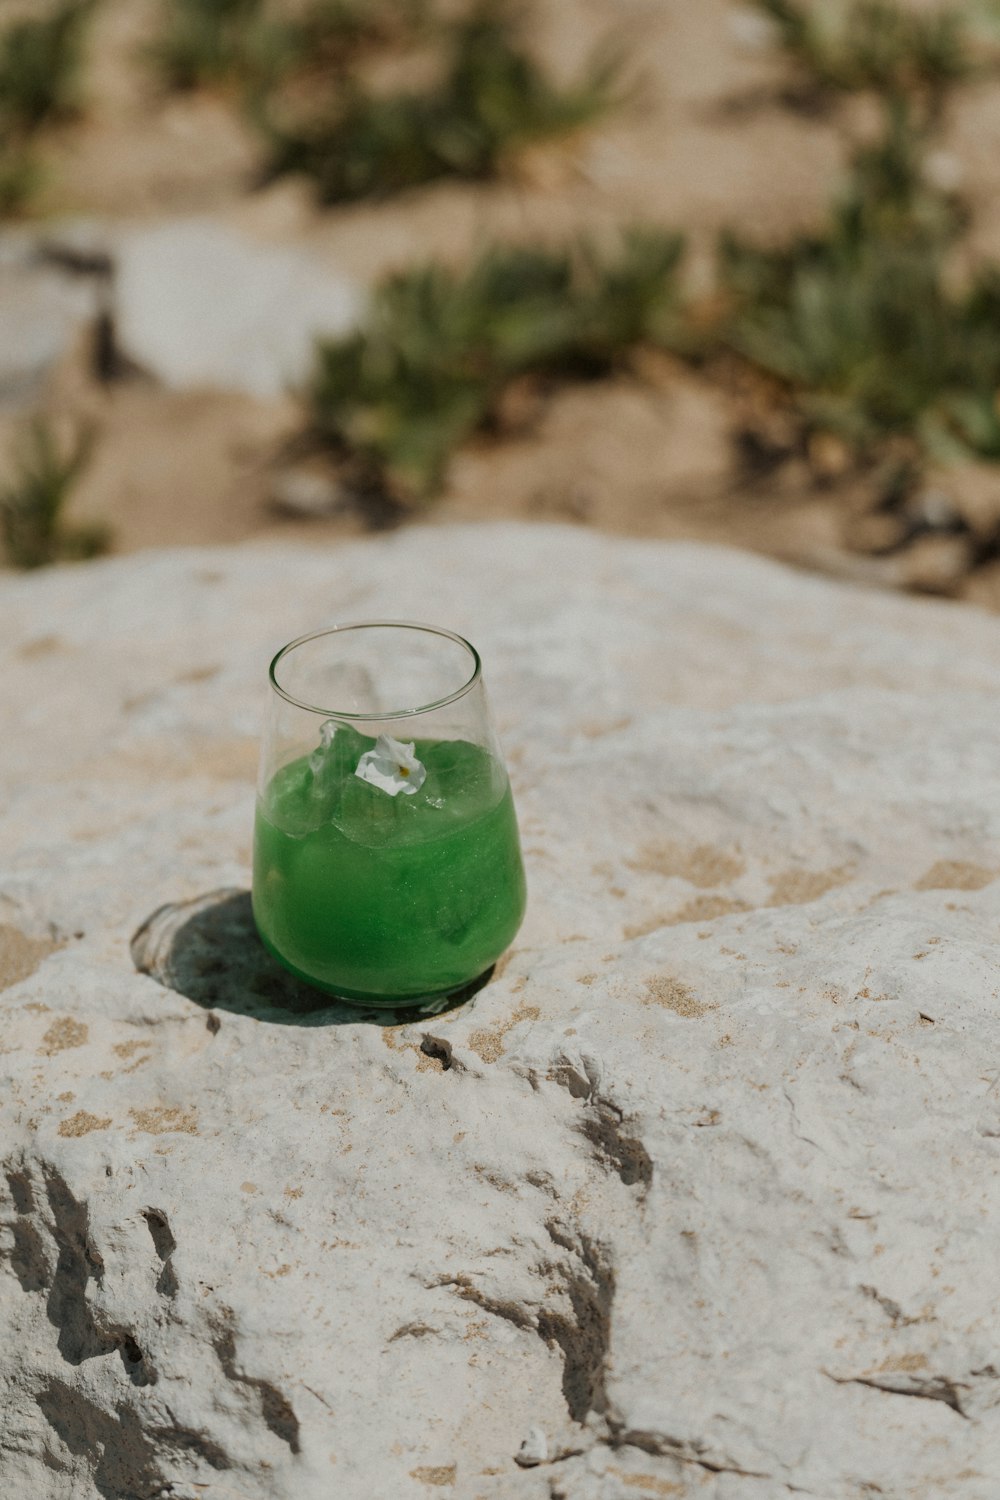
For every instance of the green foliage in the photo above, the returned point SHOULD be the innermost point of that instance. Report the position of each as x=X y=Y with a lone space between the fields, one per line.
x=888 y=195
x=851 y=45
x=492 y=99
x=862 y=321
x=40 y=65
x=211 y=41
x=34 y=497
x=441 y=347
x=19 y=175
x=256 y=45
x=330 y=34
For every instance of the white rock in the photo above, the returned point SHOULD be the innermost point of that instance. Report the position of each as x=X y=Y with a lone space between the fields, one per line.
x=534 y=1450
x=198 y=304
x=309 y=492
x=708 y=1190
x=752 y=30
x=944 y=170
x=42 y=310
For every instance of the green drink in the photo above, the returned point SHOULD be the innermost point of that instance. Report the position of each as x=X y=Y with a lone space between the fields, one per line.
x=382 y=898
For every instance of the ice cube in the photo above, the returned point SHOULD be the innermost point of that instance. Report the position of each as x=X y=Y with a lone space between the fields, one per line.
x=331 y=765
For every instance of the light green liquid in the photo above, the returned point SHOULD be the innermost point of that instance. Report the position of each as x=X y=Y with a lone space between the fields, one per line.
x=386 y=899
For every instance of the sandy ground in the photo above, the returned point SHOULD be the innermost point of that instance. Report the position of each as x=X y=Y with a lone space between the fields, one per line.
x=704 y=141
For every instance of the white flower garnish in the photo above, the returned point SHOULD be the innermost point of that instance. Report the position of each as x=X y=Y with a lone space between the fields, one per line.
x=392 y=767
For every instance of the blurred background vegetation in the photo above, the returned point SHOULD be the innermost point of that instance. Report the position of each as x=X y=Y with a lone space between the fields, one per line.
x=727 y=270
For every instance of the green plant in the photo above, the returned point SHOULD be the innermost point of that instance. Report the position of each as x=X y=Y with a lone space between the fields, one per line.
x=19 y=175
x=492 y=99
x=211 y=41
x=888 y=194
x=40 y=66
x=33 y=499
x=851 y=45
x=440 y=346
x=862 y=322
x=259 y=46
x=329 y=34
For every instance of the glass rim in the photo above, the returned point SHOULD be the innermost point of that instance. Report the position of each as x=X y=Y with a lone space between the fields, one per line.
x=400 y=713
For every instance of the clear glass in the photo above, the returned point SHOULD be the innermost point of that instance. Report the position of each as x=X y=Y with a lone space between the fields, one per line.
x=384 y=875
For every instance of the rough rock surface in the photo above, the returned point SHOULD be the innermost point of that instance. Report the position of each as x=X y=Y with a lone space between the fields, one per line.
x=698 y=1197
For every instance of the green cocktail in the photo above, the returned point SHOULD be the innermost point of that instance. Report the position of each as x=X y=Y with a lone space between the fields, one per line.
x=387 y=899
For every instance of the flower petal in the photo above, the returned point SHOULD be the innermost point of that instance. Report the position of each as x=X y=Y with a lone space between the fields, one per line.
x=392 y=767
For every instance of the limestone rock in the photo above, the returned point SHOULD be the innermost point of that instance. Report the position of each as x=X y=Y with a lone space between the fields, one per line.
x=197 y=304
x=42 y=309
x=702 y=1185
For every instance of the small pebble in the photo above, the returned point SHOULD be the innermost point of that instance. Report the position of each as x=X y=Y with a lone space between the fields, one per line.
x=534 y=1450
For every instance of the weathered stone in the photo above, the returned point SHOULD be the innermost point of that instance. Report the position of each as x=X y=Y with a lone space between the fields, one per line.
x=197 y=304
x=698 y=1194
x=42 y=309
x=935 y=564
x=310 y=491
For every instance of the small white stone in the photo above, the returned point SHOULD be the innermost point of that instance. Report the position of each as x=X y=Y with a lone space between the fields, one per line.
x=944 y=171
x=752 y=31
x=534 y=1450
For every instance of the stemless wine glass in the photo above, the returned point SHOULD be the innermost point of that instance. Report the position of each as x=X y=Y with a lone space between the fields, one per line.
x=387 y=867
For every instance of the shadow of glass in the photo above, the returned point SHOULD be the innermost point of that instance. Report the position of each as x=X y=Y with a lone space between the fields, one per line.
x=208 y=950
